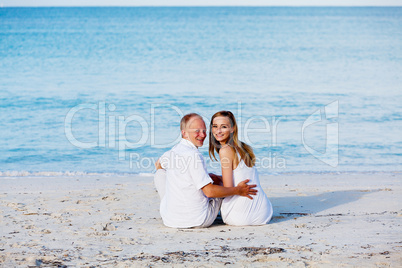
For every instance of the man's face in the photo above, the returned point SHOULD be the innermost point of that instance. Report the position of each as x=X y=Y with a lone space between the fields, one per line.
x=196 y=131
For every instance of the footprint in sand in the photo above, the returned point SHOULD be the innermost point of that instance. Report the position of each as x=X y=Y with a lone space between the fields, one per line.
x=110 y=198
x=16 y=245
x=29 y=227
x=109 y=227
x=120 y=217
x=16 y=206
x=113 y=248
x=127 y=241
x=98 y=234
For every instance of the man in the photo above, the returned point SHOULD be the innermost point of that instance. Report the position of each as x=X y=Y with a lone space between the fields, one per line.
x=189 y=197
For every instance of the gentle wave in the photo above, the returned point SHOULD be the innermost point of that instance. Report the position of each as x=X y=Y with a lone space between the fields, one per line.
x=65 y=174
x=15 y=174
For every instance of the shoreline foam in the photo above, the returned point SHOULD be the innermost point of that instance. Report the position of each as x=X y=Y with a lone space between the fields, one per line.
x=23 y=173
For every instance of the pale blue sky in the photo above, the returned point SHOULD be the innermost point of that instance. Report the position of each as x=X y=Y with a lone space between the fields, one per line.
x=6 y=3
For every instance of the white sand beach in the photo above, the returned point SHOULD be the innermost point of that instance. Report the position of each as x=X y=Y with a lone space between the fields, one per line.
x=331 y=220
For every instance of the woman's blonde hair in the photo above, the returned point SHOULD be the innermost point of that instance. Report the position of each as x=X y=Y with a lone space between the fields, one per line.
x=245 y=151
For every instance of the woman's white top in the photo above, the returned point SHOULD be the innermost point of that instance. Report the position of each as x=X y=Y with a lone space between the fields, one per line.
x=240 y=210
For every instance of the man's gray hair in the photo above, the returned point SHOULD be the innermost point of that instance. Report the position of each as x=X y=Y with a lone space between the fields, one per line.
x=186 y=119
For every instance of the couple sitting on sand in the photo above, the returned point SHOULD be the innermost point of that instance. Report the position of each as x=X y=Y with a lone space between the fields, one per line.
x=190 y=197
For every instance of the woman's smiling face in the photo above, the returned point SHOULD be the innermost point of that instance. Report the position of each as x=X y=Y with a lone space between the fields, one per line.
x=221 y=129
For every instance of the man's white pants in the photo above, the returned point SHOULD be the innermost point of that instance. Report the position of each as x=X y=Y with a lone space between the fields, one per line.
x=214 y=203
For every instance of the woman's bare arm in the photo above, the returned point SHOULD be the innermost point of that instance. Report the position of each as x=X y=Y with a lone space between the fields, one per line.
x=227 y=155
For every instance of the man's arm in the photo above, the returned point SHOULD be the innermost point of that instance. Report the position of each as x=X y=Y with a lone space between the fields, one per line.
x=203 y=181
x=242 y=189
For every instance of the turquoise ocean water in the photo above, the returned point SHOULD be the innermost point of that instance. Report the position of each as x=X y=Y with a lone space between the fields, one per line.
x=102 y=90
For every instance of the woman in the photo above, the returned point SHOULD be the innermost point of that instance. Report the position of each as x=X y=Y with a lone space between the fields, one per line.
x=237 y=163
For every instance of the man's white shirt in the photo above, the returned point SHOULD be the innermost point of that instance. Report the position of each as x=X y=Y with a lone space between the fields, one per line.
x=184 y=204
